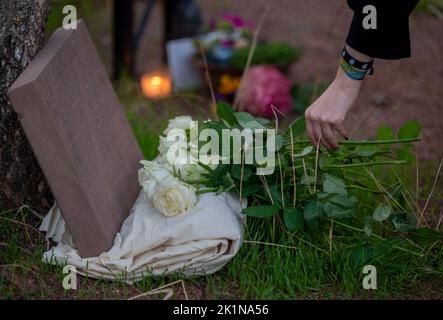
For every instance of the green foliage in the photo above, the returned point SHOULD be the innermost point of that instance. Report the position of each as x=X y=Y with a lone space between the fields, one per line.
x=342 y=185
x=410 y=130
x=147 y=139
x=382 y=212
x=434 y=7
x=332 y=184
x=293 y=219
x=85 y=9
x=226 y=113
x=260 y=211
x=289 y=258
x=279 y=54
x=297 y=127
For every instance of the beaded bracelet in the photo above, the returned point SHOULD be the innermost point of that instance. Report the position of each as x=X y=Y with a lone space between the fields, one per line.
x=355 y=69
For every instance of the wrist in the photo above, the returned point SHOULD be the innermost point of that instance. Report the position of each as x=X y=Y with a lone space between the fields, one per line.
x=355 y=65
x=346 y=84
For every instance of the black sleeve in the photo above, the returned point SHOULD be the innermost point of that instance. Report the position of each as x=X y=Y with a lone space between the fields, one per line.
x=391 y=38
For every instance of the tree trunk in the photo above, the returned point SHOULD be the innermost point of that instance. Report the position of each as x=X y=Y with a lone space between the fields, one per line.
x=22 y=35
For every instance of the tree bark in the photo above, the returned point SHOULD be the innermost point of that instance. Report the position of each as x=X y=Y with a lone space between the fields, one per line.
x=22 y=35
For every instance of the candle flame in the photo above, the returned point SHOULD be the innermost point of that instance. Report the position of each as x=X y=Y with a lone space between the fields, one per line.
x=155 y=85
x=156 y=81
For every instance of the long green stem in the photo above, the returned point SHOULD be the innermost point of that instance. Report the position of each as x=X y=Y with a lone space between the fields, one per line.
x=357 y=229
x=198 y=192
x=353 y=186
x=365 y=164
x=368 y=142
x=378 y=142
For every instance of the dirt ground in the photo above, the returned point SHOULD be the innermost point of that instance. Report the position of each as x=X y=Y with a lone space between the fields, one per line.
x=399 y=91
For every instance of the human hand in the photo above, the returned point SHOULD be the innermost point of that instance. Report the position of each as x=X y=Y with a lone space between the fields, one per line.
x=327 y=113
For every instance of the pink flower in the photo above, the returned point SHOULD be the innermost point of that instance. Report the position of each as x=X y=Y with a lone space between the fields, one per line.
x=237 y=21
x=262 y=87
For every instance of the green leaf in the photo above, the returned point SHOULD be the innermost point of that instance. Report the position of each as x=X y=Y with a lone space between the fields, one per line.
x=250 y=189
x=275 y=192
x=382 y=212
x=410 y=130
x=263 y=121
x=385 y=133
x=260 y=211
x=293 y=219
x=248 y=121
x=405 y=153
x=343 y=201
x=236 y=172
x=298 y=127
x=243 y=117
x=366 y=151
x=279 y=141
x=339 y=206
x=225 y=112
x=361 y=254
x=304 y=152
x=333 y=211
x=333 y=184
x=313 y=210
x=403 y=222
x=324 y=196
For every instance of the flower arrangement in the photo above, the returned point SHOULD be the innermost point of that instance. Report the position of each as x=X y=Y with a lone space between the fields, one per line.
x=231 y=32
x=226 y=46
x=228 y=42
x=168 y=194
x=308 y=186
x=164 y=180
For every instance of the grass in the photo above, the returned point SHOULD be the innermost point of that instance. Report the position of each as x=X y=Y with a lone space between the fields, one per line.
x=272 y=264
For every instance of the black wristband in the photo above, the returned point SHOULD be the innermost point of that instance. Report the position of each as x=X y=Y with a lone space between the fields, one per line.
x=364 y=66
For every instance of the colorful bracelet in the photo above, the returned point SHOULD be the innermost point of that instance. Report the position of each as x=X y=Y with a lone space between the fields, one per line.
x=355 y=69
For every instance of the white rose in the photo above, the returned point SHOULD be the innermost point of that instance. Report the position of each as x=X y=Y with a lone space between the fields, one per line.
x=182 y=122
x=173 y=198
x=151 y=175
x=190 y=172
x=173 y=149
x=168 y=194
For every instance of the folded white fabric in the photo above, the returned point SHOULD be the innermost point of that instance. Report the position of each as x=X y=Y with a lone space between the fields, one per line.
x=199 y=242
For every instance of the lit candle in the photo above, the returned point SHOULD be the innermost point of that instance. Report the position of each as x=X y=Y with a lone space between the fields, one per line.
x=156 y=85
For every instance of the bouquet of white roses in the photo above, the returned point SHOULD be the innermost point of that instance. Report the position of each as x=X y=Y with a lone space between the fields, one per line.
x=165 y=179
x=305 y=186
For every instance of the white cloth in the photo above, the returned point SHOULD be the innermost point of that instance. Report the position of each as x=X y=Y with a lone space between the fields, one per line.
x=199 y=242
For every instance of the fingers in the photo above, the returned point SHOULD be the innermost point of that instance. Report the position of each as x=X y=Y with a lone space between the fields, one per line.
x=310 y=131
x=322 y=128
x=329 y=136
x=319 y=135
x=314 y=131
x=341 y=129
